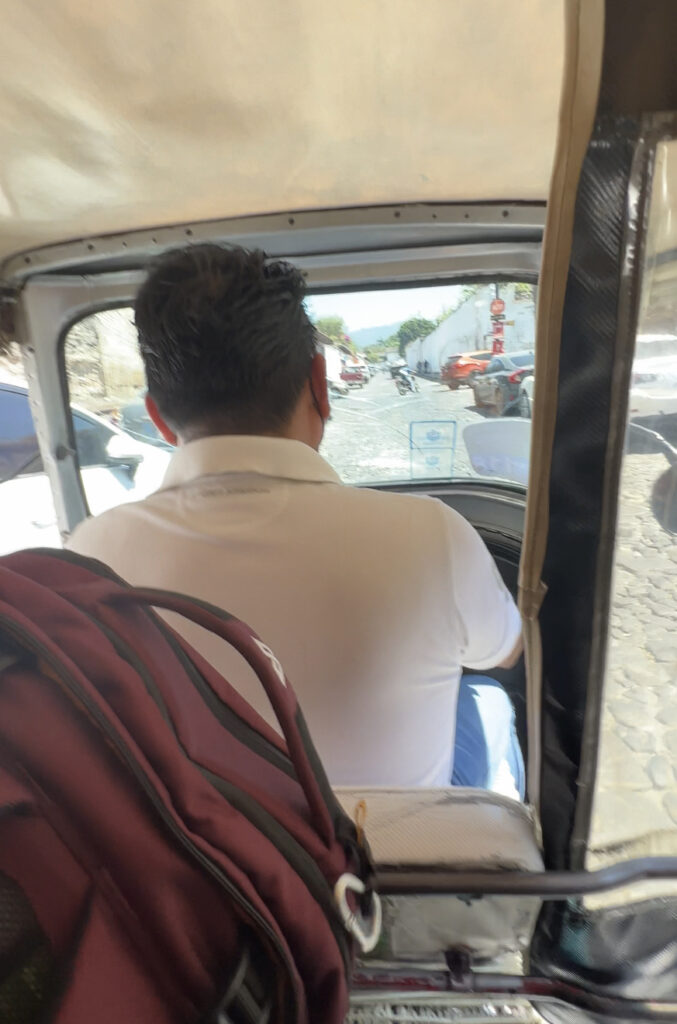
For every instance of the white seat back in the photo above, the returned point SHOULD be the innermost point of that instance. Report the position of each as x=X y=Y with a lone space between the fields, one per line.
x=462 y=829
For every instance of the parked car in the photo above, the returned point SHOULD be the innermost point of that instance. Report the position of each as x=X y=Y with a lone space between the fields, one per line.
x=115 y=468
x=526 y=396
x=136 y=422
x=463 y=368
x=355 y=375
x=337 y=388
x=653 y=391
x=652 y=403
x=500 y=385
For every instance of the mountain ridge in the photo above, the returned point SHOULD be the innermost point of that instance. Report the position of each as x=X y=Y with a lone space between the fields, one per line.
x=365 y=336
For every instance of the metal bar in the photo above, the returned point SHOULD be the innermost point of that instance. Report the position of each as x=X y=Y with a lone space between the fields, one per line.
x=558 y=885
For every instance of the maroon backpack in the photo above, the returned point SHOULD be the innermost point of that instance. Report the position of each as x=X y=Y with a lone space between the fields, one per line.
x=164 y=855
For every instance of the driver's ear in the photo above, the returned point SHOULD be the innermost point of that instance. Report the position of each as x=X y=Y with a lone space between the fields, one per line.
x=318 y=378
x=164 y=430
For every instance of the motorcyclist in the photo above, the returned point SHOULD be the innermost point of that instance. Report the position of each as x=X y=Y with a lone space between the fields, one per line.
x=403 y=377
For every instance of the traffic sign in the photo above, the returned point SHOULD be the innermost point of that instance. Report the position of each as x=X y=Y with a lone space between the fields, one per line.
x=497 y=306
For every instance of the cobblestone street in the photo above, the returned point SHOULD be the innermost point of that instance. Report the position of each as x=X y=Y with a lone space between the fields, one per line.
x=637 y=784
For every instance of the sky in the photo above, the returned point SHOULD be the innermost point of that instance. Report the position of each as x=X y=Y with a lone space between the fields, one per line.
x=371 y=309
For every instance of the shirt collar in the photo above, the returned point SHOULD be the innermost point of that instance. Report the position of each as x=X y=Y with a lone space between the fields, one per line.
x=276 y=457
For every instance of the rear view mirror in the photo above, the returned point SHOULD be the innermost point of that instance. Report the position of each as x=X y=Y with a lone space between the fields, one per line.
x=500 y=448
x=121 y=451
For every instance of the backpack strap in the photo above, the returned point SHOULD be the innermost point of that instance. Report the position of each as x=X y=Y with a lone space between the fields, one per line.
x=328 y=815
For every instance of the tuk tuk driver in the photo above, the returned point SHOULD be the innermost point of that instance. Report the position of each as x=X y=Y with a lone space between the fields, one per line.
x=373 y=602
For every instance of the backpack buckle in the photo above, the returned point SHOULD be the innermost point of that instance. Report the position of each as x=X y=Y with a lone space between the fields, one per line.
x=247 y=998
x=365 y=931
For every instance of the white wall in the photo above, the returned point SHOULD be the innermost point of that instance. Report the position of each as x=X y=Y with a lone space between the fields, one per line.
x=466 y=329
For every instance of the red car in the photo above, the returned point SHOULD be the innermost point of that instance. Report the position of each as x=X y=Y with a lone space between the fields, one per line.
x=463 y=368
x=354 y=375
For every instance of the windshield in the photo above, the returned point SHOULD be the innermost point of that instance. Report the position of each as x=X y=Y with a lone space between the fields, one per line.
x=385 y=427
x=388 y=432
x=443 y=420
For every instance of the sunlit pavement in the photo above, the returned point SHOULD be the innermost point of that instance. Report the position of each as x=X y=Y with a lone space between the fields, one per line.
x=368 y=437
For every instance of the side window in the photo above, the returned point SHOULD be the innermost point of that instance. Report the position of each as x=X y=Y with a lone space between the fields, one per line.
x=122 y=458
x=28 y=514
x=91 y=439
x=19 y=453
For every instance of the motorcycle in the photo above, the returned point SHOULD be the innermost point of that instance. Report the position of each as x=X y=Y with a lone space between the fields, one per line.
x=405 y=381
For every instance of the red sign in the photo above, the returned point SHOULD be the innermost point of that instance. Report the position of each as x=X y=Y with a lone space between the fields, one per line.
x=497 y=347
x=497 y=306
x=497 y=330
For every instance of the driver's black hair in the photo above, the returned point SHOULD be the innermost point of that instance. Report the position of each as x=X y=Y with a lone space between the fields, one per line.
x=225 y=339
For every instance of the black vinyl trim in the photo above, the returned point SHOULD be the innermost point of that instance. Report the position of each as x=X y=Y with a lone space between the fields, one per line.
x=577 y=491
x=628 y=950
x=632 y=261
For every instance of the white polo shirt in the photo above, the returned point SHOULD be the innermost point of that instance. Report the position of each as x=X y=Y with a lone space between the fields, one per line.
x=372 y=601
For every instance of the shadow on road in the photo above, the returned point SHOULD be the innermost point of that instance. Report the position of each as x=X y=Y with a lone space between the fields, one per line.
x=487 y=412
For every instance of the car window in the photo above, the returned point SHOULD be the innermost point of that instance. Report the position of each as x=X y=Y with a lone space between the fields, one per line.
x=28 y=514
x=19 y=451
x=379 y=431
x=523 y=360
x=122 y=457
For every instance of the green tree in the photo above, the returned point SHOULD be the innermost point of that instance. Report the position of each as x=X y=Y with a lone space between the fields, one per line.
x=375 y=351
x=413 y=328
x=467 y=292
x=524 y=292
x=333 y=326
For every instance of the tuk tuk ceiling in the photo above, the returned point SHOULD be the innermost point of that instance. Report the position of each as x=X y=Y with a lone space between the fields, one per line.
x=152 y=112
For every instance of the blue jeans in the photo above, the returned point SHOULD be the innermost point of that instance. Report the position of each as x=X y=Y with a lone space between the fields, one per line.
x=486 y=740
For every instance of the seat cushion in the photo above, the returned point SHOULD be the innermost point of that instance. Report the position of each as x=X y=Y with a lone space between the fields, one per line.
x=465 y=829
